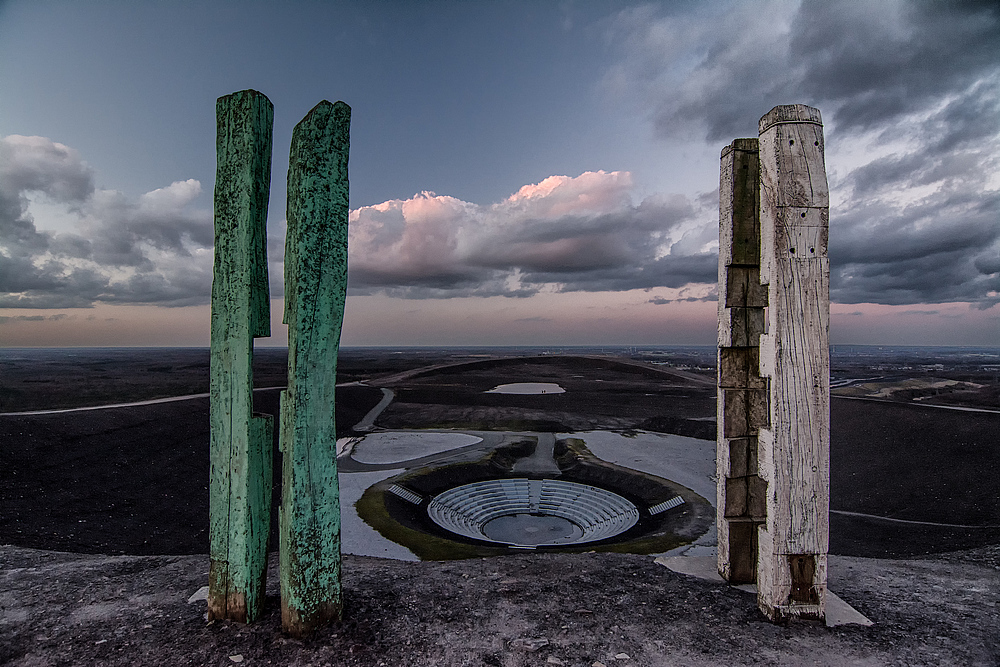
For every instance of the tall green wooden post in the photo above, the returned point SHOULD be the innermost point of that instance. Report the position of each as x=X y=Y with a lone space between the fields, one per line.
x=241 y=442
x=315 y=292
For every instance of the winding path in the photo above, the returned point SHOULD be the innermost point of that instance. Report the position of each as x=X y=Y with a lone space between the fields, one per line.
x=367 y=422
x=153 y=401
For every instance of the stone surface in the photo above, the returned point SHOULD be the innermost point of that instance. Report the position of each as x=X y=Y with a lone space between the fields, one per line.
x=838 y=612
x=529 y=644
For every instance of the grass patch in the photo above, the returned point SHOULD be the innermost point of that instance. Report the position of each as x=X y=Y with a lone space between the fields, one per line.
x=372 y=510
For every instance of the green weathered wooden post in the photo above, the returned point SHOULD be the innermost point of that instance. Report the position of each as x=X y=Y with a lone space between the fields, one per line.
x=241 y=442
x=315 y=292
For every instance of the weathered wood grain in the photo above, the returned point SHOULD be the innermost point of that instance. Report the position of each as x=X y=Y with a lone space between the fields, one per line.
x=742 y=393
x=742 y=327
x=315 y=294
x=740 y=463
x=240 y=476
x=741 y=564
x=739 y=242
x=794 y=355
x=744 y=412
x=743 y=288
x=739 y=368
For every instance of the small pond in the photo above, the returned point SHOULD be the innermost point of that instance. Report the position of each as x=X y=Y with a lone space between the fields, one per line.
x=527 y=388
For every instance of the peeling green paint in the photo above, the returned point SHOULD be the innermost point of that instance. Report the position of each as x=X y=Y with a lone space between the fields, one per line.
x=315 y=293
x=240 y=476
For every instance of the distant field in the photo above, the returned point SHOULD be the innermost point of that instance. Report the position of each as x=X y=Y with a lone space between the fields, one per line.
x=38 y=379
x=134 y=480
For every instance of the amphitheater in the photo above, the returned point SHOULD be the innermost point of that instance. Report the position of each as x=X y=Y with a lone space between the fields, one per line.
x=529 y=513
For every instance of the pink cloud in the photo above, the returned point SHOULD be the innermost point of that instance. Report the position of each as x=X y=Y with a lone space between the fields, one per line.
x=592 y=192
x=567 y=233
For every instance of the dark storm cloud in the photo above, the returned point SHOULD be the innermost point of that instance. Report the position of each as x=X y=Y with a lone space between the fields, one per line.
x=876 y=62
x=669 y=271
x=662 y=301
x=150 y=250
x=911 y=87
x=865 y=64
x=942 y=244
x=38 y=164
x=34 y=164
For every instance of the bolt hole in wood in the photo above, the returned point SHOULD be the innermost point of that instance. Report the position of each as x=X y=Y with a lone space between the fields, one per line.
x=789 y=179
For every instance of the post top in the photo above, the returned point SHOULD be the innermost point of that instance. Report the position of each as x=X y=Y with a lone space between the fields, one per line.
x=249 y=94
x=746 y=145
x=789 y=113
x=339 y=105
x=323 y=114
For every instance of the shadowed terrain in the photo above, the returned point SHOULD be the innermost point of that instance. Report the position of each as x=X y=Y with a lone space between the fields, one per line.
x=134 y=480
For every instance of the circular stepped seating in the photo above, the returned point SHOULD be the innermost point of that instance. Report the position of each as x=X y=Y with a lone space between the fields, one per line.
x=589 y=513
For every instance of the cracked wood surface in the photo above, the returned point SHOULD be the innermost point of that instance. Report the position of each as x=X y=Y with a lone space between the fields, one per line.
x=794 y=455
x=240 y=475
x=315 y=294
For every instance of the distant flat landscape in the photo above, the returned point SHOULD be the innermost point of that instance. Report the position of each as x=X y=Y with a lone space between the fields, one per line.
x=908 y=478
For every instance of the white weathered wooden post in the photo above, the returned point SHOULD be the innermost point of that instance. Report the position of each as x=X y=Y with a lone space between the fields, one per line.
x=742 y=393
x=795 y=357
x=793 y=440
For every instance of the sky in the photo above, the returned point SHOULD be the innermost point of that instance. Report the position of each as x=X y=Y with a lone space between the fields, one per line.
x=522 y=173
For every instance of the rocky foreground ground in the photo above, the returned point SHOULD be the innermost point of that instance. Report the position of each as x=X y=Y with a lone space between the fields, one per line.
x=531 y=609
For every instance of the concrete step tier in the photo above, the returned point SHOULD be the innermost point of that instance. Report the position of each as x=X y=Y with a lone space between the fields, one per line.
x=599 y=514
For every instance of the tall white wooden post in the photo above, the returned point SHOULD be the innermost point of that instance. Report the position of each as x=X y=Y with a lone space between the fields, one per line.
x=774 y=400
x=795 y=357
x=742 y=393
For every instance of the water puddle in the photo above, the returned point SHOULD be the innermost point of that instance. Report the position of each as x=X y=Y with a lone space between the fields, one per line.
x=527 y=388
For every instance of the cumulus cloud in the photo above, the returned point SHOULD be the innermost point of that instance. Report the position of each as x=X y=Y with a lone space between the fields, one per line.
x=910 y=93
x=579 y=233
x=154 y=249
x=562 y=234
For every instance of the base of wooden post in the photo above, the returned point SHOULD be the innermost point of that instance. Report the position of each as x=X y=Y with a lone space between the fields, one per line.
x=299 y=624
x=228 y=604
